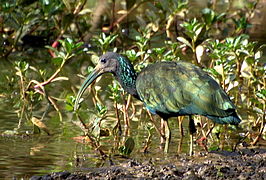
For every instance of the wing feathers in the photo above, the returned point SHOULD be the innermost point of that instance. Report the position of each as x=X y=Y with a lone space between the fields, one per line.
x=181 y=88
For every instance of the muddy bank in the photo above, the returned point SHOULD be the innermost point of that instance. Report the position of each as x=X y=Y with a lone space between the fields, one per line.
x=244 y=164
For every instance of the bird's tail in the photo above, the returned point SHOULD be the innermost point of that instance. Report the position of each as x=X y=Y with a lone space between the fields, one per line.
x=231 y=119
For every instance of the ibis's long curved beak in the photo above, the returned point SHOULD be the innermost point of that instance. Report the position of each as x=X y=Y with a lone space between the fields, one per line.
x=96 y=73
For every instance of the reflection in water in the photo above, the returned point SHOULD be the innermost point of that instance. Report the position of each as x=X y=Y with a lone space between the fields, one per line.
x=31 y=155
x=25 y=156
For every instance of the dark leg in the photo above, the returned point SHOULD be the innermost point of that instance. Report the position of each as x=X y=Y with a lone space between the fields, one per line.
x=180 y=121
x=192 y=130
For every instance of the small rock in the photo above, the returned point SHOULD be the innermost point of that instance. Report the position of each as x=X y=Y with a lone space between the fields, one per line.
x=60 y=175
x=190 y=175
x=36 y=178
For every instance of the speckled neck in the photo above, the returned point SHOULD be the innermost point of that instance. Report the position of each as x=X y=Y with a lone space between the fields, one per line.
x=126 y=75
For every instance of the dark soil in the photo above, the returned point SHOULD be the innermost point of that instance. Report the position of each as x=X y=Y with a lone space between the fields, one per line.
x=244 y=164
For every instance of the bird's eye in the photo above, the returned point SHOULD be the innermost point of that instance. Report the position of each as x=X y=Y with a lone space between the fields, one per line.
x=103 y=61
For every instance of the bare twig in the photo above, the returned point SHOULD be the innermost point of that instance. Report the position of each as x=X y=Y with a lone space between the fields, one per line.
x=119 y=20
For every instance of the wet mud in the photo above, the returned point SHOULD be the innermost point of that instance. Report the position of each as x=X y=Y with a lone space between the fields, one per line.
x=243 y=164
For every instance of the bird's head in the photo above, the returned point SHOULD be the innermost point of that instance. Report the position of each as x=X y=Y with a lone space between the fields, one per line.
x=107 y=63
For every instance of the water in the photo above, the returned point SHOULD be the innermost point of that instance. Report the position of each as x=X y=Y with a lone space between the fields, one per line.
x=23 y=156
x=26 y=155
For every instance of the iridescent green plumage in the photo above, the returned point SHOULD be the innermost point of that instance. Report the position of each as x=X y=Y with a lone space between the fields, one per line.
x=178 y=88
x=168 y=89
x=125 y=74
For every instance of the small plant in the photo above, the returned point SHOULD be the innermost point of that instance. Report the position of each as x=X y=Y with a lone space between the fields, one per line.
x=192 y=29
x=210 y=18
x=104 y=41
x=128 y=147
x=32 y=91
x=115 y=95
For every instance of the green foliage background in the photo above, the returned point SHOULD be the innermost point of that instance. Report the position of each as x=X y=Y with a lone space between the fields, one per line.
x=45 y=43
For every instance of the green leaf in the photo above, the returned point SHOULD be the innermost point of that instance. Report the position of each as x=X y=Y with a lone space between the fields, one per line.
x=89 y=69
x=198 y=31
x=184 y=41
x=220 y=16
x=68 y=47
x=96 y=129
x=79 y=44
x=208 y=15
x=261 y=94
x=70 y=101
x=113 y=38
x=101 y=109
x=57 y=60
x=128 y=147
x=51 y=48
x=212 y=71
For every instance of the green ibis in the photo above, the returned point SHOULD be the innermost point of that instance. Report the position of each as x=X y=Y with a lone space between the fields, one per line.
x=168 y=89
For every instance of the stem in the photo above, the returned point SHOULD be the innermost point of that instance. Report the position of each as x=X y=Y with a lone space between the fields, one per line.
x=118 y=125
x=125 y=15
x=126 y=106
x=155 y=125
x=256 y=140
x=39 y=87
x=93 y=143
x=56 y=72
x=223 y=77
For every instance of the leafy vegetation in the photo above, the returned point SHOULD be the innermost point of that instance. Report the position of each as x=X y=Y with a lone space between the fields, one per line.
x=40 y=39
